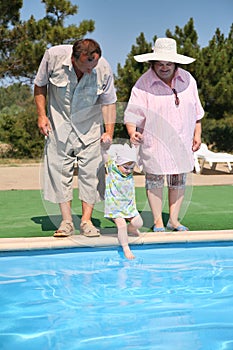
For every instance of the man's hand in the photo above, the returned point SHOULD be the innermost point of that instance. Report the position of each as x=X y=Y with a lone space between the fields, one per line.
x=106 y=140
x=44 y=125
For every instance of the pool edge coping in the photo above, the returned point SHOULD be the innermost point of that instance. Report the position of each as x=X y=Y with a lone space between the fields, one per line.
x=110 y=240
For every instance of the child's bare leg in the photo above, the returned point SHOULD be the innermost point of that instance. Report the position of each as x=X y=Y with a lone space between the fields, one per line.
x=134 y=225
x=123 y=237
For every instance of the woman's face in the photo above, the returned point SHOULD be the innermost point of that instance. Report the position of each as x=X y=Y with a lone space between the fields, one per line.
x=165 y=70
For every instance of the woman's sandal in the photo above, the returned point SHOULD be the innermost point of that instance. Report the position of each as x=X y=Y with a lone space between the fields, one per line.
x=158 y=229
x=178 y=228
x=88 y=229
x=66 y=229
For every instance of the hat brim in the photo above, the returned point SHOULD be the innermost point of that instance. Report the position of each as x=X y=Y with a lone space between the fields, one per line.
x=175 y=58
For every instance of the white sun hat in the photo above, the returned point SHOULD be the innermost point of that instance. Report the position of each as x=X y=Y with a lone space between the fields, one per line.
x=123 y=153
x=164 y=50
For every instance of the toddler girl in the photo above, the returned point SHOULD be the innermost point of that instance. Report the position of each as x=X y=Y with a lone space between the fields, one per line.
x=120 y=203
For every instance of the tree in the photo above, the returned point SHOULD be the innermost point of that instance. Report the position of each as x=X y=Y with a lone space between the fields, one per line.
x=125 y=80
x=10 y=14
x=132 y=70
x=18 y=125
x=22 y=46
x=187 y=44
x=215 y=75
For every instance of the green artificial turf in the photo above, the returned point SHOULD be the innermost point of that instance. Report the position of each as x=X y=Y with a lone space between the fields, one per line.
x=25 y=214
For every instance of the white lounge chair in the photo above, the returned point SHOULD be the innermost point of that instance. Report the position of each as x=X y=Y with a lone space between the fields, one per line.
x=205 y=155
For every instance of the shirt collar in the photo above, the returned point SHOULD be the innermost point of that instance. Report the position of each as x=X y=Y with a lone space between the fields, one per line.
x=67 y=62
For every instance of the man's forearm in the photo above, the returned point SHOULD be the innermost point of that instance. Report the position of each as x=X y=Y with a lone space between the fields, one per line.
x=40 y=93
x=109 y=116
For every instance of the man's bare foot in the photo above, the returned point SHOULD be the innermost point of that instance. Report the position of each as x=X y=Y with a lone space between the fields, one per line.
x=128 y=254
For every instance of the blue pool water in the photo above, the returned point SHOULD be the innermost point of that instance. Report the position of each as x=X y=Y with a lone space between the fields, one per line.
x=171 y=297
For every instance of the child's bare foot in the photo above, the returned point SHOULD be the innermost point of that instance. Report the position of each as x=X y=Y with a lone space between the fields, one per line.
x=128 y=254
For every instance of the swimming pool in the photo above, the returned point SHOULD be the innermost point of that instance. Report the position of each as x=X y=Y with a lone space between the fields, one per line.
x=172 y=296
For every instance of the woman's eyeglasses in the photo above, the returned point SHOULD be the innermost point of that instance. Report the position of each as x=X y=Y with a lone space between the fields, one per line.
x=177 y=100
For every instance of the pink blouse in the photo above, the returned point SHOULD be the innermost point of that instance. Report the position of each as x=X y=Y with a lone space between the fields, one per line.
x=167 y=129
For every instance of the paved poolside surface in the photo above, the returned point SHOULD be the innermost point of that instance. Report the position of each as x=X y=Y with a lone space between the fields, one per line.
x=27 y=177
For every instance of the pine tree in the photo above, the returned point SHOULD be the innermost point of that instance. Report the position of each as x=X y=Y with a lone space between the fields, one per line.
x=22 y=46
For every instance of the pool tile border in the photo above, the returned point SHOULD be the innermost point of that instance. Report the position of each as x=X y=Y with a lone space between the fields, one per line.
x=110 y=240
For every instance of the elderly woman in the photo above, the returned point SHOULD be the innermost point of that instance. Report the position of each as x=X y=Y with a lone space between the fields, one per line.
x=164 y=116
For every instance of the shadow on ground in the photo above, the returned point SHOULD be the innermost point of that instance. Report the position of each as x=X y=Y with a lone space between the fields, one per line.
x=52 y=222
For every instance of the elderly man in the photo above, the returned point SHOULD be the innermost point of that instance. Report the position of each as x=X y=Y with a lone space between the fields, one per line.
x=76 y=84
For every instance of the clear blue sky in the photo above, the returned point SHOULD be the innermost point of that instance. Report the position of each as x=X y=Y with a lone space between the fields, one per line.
x=119 y=22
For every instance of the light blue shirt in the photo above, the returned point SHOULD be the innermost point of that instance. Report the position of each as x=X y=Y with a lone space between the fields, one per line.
x=72 y=104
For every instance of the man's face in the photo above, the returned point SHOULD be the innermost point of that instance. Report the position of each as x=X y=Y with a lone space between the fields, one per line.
x=165 y=70
x=85 y=63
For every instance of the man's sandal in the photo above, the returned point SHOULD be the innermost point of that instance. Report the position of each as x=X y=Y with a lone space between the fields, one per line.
x=66 y=229
x=88 y=229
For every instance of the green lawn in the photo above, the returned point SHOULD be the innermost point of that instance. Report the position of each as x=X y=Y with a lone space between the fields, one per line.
x=25 y=214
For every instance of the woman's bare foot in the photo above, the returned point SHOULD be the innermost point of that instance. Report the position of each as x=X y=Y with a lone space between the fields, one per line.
x=127 y=252
x=159 y=223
